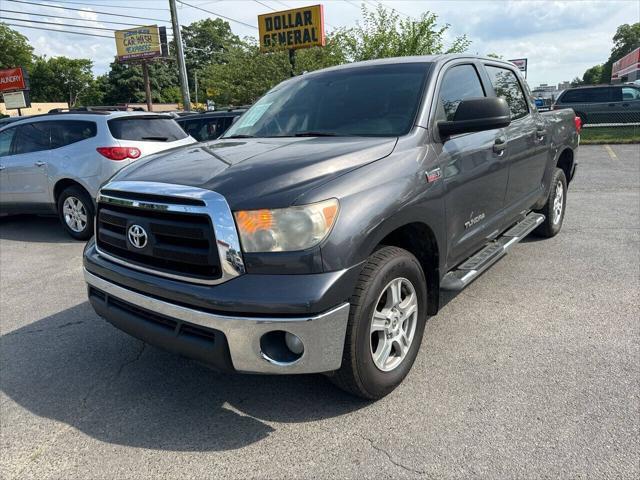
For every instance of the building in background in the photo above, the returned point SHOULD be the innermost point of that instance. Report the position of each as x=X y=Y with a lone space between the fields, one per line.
x=626 y=69
x=564 y=85
x=35 y=109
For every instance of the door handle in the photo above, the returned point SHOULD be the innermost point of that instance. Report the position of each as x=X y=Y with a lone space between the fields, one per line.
x=625 y=104
x=540 y=132
x=499 y=145
x=611 y=105
x=40 y=163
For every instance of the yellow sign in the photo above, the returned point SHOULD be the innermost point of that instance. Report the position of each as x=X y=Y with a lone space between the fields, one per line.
x=288 y=29
x=138 y=43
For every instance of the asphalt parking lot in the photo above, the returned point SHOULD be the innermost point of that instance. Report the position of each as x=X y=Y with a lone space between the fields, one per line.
x=531 y=372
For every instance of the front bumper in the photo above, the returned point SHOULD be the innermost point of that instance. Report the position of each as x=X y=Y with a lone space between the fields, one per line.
x=227 y=342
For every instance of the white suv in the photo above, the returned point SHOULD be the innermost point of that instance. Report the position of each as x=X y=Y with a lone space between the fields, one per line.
x=56 y=162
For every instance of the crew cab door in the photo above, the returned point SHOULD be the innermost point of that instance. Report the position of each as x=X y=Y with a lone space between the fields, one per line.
x=527 y=141
x=473 y=167
x=26 y=181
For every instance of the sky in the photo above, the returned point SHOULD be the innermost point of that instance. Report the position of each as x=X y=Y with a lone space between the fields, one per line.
x=560 y=39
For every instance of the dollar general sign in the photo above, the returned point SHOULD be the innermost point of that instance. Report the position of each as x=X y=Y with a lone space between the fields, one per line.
x=290 y=29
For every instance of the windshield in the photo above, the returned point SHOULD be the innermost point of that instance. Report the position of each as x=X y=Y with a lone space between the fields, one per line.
x=379 y=101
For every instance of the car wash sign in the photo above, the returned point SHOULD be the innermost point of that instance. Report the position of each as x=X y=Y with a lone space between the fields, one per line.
x=138 y=43
x=292 y=29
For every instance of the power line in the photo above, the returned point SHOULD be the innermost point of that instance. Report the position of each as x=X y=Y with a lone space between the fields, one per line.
x=210 y=12
x=110 y=6
x=60 y=24
x=265 y=5
x=68 y=18
x=394 y=9
x=59 y=31
x=88 y=11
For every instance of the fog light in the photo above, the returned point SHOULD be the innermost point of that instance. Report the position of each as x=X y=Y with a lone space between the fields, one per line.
x=294 y=343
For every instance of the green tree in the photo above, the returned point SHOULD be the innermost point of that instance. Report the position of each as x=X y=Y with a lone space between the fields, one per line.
x=245 y=76
x=124 y=83
x=60 y=79
x=383 y=33
x=593 y=75
x=576 y=82
x=206 y=43
x=15 y=50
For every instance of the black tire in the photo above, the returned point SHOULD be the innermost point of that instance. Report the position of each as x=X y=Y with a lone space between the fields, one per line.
x=552 y=224
x=78 y=193
x=359 y=374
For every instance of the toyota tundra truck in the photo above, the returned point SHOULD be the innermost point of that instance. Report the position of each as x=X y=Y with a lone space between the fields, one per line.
x=317 y=234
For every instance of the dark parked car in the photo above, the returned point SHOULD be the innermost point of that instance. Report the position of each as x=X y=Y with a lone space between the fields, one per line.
x=602 y=103
x=317 y=233
x=209 y=125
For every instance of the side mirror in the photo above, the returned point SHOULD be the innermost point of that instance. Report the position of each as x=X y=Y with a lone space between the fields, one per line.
x=476 y=115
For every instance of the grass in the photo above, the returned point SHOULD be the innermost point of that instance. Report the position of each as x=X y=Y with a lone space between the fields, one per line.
x=601 y=135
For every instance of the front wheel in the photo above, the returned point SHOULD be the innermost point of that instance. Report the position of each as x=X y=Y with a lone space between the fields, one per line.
x=386 y=323
x=75 y=209
x=555 y=207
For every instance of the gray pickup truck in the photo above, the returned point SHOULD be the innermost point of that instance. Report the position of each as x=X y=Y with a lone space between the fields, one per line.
x=317 y=234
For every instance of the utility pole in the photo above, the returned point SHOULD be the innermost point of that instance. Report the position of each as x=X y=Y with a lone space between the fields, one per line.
x=147 y=85
x=182 y=68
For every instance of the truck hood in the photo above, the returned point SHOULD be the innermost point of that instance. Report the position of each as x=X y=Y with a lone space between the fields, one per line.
x=259 y=173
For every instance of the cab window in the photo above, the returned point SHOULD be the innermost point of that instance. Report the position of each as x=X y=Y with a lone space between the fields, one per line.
x=5 y=141
x=506 y=85
x=459 y=83
x=630 y=93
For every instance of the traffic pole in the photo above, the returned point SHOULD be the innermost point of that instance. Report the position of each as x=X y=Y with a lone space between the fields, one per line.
x=147 y=85
x=182 y=68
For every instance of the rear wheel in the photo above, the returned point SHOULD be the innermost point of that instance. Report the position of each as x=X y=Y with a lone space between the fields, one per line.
x=75 y=210
x=386 y=324
x=555 y=207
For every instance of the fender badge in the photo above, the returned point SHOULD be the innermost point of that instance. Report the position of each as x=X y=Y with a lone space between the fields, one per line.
x=433 y=175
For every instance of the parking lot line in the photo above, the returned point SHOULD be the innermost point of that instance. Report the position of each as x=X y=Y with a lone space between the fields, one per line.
x=611 y=153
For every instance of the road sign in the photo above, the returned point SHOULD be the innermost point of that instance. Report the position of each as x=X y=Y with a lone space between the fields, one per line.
x=292 y=29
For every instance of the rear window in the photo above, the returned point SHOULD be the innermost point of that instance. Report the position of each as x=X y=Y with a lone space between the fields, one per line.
x=146 y=129
x=587 y=95
x=206 y=129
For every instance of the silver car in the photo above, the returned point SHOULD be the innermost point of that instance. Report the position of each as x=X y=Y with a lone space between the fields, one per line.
x=54 y=163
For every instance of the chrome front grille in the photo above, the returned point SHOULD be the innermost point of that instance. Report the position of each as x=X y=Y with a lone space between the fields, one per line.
x=189 y=233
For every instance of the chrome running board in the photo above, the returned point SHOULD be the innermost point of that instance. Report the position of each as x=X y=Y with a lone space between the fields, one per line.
x=471 y=268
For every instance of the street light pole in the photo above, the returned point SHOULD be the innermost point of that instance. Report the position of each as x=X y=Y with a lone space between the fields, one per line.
x=182 y=68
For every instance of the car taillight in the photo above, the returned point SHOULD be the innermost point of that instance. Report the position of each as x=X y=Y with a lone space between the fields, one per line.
x=578 y=122
x=119 y=153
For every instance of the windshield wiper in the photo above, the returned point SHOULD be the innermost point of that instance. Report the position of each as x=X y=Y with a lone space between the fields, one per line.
x=160 y=139
x=311 y=133
x=239 y=136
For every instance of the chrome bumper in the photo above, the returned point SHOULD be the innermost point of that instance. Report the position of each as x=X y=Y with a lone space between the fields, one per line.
x=322 y=335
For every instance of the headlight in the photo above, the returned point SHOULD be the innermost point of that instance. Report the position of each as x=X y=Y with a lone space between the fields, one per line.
x=286 y=229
